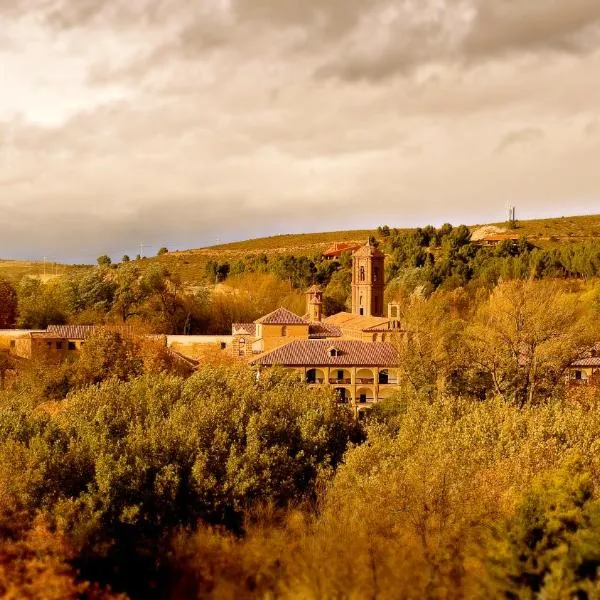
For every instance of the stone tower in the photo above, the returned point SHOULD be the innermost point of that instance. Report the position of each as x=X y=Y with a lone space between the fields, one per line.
x=314 y=304
x=368 y=281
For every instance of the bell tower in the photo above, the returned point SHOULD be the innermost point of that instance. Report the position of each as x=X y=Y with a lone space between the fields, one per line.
x=314 y=304
x=368 y=281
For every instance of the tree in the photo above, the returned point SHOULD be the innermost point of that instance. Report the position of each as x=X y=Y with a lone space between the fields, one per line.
x=526 y=335
x=125 y=258
x=40 y=304
x=8 y=305
x=162 y=251
x=107 y=354
x=104 y=261
x=551 y=547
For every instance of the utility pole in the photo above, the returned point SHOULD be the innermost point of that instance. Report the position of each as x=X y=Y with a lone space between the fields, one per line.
x=141 y=249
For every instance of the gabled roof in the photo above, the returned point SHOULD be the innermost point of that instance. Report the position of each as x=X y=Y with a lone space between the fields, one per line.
x=281 y=316
x=352 y=353
x=243 y=329
x=315 y=289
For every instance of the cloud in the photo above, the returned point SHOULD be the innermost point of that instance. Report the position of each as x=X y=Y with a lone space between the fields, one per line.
x=176 y=123
x=521 y=137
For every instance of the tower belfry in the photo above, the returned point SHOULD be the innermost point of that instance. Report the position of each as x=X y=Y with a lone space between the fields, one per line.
x=314 y=304
x=368 y=281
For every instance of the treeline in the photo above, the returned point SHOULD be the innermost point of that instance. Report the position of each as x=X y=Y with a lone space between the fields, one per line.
x=152 y=299
x=422 y=260
x=445 y=258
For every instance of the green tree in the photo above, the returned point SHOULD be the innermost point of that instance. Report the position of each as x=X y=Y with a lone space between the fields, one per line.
x=104 y=261
x=8 y=304
x=162 y=251
x=526 y=335
x=551 y=547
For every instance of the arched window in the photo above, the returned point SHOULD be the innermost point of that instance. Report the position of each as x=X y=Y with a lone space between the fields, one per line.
x=362 y=273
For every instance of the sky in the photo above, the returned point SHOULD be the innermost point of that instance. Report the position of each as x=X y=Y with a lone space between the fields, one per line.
x=184 y=123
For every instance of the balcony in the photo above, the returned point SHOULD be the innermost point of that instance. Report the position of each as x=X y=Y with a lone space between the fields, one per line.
x=365 y=380
x=316 y=381
x=345 y=381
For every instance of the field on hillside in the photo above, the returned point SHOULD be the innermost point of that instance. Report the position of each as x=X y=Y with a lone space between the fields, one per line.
x=548 y=232
x=14 y=270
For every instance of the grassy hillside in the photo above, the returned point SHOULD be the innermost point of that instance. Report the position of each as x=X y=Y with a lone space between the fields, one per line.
x=17 y=269
x=190 y=264
x=547 y=232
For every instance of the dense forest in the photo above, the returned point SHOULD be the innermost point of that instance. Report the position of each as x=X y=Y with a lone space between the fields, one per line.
x=119 y=477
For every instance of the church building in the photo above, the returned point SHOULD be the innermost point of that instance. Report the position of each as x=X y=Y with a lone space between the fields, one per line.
x=350 y=351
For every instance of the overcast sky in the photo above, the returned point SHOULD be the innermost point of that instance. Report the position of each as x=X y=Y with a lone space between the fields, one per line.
x=187 y=122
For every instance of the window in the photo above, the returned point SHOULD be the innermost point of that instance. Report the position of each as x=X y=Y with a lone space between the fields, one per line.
x=13 y=343
x=360 y=301
x=577 y=374
x=332 y=352
x=375 y=274
x=362 y=273
x=72 y=346
x=362 y=311
x=284 y=331
x=223 y=345
x=49 y=344
x=340 y=374
x=59 y=345
x=363 y=398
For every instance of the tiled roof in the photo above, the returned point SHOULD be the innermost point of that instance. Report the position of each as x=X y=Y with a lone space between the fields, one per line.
x=589 y=357
x=317 y=353
x=323 y=330
x=357 y=322
x=315 y=289
x=243 y=328
x=338 y=248
x=82 y=332
x=45 y=335
x=593 y=361
x=281 y=316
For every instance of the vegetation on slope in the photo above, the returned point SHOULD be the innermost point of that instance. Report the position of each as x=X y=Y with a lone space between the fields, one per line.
x=480 y=478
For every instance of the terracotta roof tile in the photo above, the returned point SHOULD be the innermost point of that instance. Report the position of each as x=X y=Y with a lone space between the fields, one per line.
x=316 y=353
x=281 y=316
x=323 y=330
x=352 y=321
x=243 y=328
x=593 y=361
x=338 y=248
x=82 y=332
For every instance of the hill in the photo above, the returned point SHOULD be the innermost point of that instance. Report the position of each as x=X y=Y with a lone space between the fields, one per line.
x=14 y=270
x=190 y=264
